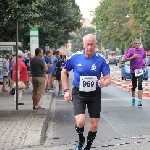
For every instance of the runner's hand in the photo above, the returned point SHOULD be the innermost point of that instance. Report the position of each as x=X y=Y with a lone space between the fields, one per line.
x=135 y=55
x=68 y=96
x=101 y=83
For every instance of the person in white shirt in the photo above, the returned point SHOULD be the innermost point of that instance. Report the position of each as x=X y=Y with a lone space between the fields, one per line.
x=5 y=71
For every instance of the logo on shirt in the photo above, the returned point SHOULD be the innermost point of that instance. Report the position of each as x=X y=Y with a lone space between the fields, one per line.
x=79 y=64
x=107 y=61
x=93 y=67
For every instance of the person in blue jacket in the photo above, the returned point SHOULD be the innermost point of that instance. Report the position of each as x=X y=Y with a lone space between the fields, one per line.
x=59 y=66
x=49 y=71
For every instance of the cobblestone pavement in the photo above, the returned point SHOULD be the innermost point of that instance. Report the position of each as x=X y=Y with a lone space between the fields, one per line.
x=24 y=127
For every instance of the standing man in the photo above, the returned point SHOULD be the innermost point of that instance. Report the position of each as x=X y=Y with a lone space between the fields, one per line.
x=87 y=83
x=5 y=71
x=38 y=72
x=137 y=58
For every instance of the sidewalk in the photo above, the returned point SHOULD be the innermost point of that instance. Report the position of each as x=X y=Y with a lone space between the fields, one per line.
x=24 y=127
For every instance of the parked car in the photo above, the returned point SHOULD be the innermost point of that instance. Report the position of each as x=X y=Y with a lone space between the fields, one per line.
x=148 y=61
x=112 y=60
x=125 y=71
x=120 y=61
x=117 y=59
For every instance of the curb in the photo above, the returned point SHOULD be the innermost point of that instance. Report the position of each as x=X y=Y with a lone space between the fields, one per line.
x=45 y=123
x=37 y=131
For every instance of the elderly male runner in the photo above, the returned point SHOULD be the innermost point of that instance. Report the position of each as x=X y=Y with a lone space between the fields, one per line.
x=87 y=83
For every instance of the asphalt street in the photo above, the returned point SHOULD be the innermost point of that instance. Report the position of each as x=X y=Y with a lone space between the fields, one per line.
x=121 y=126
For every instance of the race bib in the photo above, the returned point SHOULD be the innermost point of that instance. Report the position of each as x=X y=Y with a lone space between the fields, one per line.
x=138 y=72
x=87 y=83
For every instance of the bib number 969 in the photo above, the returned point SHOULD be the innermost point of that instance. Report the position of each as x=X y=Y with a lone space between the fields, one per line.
x=87 y=83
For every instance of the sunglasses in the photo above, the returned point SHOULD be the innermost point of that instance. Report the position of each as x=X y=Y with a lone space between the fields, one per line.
x=137 y=43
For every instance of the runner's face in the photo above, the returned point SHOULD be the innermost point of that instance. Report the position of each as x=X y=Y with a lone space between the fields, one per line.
x=89 y=46
x=137 y=44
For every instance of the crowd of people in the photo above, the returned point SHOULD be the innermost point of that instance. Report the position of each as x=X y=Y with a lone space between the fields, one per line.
x=41 y=71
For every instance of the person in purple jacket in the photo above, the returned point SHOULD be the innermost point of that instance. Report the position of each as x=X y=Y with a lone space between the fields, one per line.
x=137 y=58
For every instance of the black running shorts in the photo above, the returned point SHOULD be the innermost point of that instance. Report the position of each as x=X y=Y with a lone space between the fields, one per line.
x=90 y=99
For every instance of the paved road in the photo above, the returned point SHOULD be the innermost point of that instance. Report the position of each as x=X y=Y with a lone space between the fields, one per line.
x=121 y=126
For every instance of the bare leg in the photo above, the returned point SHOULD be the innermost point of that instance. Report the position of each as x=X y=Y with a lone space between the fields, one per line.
x=4 y=83
x=34 y=98
x=60 y=86
x=133 y=93
x=140 y=94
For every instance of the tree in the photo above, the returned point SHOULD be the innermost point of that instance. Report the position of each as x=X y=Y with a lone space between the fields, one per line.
x=141 y=12
x=55 y=20
x=116 y=30
x=77 y=39
x=109 y=19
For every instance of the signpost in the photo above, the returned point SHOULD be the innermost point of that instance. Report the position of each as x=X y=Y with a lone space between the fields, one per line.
x=34 y=40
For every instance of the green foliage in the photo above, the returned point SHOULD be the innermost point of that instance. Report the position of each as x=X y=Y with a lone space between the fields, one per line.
x=141 y=12
x=55 y=20
x=77 y=39
x=116 y=30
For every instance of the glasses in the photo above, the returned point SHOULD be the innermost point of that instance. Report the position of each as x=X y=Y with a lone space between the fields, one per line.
x=137 y=43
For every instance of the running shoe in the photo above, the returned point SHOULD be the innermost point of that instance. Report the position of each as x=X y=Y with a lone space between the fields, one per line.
x=62 y=93
x=79 y=145
x=133 y=101
x=51 y=90
x=139 y=102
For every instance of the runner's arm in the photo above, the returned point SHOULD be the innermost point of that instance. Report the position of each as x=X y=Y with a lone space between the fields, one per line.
x=107 y=80
x=64 y=79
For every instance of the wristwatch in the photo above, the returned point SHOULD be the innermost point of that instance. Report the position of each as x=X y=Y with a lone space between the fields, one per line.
x=65 y=90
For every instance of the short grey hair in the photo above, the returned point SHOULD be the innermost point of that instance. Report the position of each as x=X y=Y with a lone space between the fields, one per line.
x=137 y=40
x=20 y=53
x=92 y=35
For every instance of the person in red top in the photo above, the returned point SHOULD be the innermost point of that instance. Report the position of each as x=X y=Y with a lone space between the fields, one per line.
x=22 y=74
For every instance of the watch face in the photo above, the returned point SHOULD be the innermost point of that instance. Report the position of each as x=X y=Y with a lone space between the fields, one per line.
x=65 y=90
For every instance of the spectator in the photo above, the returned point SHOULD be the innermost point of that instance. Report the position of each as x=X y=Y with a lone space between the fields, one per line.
x=55 y=58
x=38 y=72
x=27 y=64
x=22 y=75
x=5 y=71
x=11 y=68
x=59 y=66
x=49 y=72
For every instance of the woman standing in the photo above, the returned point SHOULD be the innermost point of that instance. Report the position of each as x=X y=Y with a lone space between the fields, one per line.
x=22 y=75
